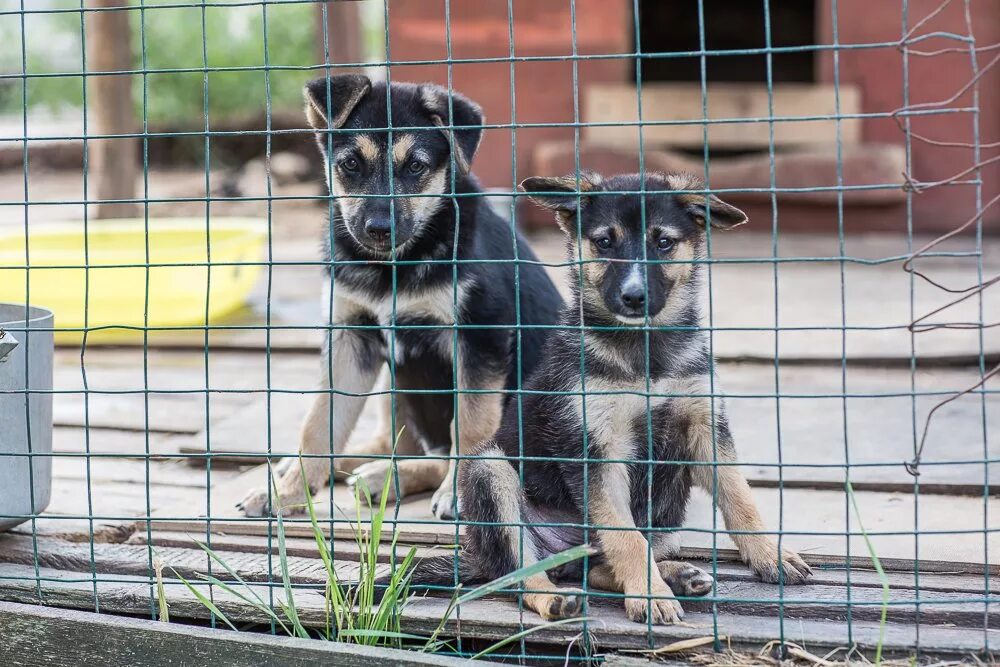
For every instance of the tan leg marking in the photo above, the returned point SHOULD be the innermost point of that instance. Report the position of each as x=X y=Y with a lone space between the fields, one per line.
x=601 y=577
x=627 y=552
x=739 y=511
x=478 y=420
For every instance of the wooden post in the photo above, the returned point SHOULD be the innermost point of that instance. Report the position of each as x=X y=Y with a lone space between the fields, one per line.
x=113 y=162
x=343 y=35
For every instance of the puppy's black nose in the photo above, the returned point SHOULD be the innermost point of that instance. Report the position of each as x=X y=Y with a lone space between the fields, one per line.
x=633 y=297
x=378 y=229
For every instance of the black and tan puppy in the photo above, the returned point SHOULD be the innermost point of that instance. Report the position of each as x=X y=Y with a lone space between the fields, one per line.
x=416 y=250
x=652 y=427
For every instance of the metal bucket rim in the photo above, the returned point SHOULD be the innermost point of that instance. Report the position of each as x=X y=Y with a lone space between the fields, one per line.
x=36 y=314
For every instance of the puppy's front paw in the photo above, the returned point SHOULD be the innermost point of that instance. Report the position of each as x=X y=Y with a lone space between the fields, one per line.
x=258 y=503
x=444 y=503
x=658 y=610
x=766 y=565
x=563 y=603
x=371 y=476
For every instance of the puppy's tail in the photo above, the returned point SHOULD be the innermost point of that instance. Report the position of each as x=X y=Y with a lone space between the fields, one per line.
x=440 y=572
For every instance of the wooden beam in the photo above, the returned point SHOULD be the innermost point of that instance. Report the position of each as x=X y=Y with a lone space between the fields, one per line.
x=344 y=38
x=113 y=162
x=34 y=635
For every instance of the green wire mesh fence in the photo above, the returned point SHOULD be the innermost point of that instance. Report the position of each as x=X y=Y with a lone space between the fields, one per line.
x=829 y=118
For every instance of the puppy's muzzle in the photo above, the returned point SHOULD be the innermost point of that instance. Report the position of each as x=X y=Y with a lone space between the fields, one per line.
x=379 y=229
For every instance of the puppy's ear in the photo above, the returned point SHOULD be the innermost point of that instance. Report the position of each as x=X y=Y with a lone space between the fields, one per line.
x=329 y=102
x=464 y=114
x=723 y=216
x=563 y=194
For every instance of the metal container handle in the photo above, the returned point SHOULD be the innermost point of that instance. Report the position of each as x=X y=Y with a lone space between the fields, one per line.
x=7 y=345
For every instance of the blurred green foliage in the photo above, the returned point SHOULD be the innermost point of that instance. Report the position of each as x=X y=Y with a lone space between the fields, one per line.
x=169 y=39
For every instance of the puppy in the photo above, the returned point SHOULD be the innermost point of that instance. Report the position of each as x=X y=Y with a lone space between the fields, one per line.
x=652 y=428
x=423 y=274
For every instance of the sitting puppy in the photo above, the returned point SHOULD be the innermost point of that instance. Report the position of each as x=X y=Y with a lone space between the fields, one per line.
x=420 y=262
x=652 y=428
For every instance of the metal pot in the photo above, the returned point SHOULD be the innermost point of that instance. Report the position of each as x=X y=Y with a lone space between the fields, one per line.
x=26 y=352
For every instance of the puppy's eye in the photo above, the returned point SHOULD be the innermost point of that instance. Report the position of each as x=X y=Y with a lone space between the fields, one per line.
x=350 y=165
x=603 y=242
x=665 y=243
x=415 y=167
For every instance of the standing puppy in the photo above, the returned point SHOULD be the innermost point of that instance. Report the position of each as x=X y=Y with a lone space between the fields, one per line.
x=417 y=266
x=641 y=414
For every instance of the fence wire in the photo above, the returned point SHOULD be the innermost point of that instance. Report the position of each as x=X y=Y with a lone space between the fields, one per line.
x=143 y=524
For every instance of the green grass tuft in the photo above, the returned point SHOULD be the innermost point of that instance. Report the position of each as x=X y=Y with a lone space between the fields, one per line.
x=353 y=613
x=881 y=573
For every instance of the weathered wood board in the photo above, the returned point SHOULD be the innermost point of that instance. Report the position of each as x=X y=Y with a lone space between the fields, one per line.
x=496 y=619
x=100 y=493
x=884 y=423
x=876 y=428
x=950 y=528
x=101 y=442
x=942 y=576
x=736 y=588
x=36 y=636
x=188 y=561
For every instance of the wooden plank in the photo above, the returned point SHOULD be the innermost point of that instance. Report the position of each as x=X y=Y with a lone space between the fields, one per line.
x=880 y=417
x=247 y=435
x=168 y=413
x=951 y=527
x=815 y=522
x=101 y=470
x=343 y=549
x=133 y=559
x=739 y=595
x=487 y=619
x=76 y=529
x=412 y=516
x=36 y=636
x=933 y=575
x=115 y=501
x=75 y=440
x=618 y=103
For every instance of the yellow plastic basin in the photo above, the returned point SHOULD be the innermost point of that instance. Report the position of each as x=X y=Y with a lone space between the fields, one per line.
x=100 y=282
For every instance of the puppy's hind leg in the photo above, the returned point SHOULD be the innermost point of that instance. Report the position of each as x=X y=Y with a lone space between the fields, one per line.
x=478 y=419
x=497 y=539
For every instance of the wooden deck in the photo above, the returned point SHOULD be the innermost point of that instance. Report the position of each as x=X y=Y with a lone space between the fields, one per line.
x=148 y=461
